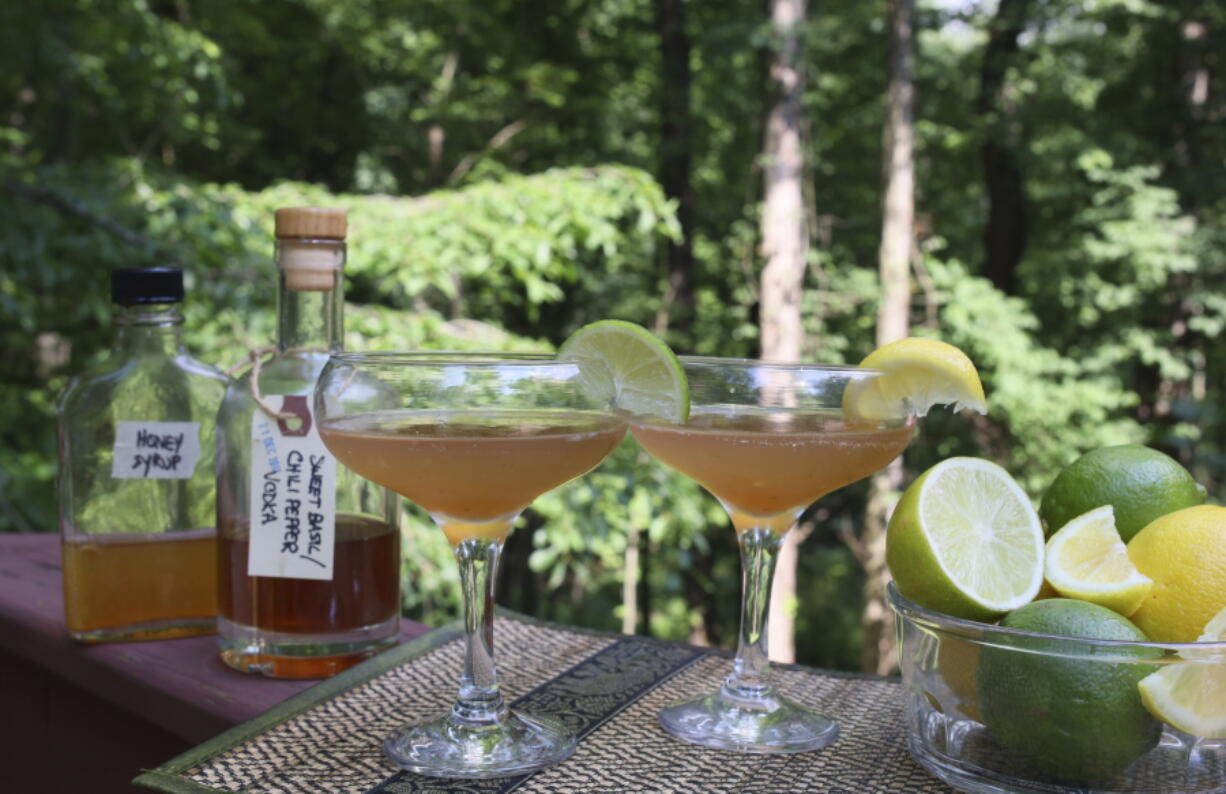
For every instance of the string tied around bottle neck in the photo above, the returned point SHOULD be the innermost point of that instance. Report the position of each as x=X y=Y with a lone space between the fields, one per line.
x=255 y=359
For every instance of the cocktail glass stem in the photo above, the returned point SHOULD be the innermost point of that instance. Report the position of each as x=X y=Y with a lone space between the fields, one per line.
x=750 y=678
x=747 y=713
x=481 y=737
x=480 y=700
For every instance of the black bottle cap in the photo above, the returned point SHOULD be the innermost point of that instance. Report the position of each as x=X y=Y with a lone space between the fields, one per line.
x=138 y=285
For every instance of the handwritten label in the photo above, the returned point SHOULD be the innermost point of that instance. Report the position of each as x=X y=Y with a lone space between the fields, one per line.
x=293 y=496
x=155 y=450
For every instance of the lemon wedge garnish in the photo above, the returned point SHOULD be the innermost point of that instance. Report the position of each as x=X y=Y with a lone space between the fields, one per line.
x=918 y=374
x=1086 y=559
x=1191 y=695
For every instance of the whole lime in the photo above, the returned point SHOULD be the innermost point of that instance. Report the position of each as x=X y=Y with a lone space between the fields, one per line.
x=1072 y=716
x=1139 y=482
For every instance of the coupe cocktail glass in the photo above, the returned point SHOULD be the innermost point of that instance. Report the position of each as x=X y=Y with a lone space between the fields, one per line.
x=473 y=439
x=766 y=440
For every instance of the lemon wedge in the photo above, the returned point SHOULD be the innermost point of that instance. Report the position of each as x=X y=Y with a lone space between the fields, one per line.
x=919 y=373
x=1086 y=559
x=1191 y=695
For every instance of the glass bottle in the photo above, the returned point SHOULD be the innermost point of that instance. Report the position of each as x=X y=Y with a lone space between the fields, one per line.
x=308 y=552
x=136 y=486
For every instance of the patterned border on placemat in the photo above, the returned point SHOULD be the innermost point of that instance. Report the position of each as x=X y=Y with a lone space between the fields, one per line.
x=608 y=688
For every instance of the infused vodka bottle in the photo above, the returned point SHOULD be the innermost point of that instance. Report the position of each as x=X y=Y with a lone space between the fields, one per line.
x=136 y=485
x=308 y=552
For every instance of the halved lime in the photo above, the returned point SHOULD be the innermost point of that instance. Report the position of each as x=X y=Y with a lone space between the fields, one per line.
x=965 y=540
x=1087 y=560
x=1191 y=695
x=624 y=365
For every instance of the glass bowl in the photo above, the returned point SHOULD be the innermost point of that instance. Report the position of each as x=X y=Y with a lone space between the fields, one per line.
x=991 y=709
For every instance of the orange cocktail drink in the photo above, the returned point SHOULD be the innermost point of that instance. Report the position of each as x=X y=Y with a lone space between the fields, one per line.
x=472 y=439
x=473 y=471
x=765 y=465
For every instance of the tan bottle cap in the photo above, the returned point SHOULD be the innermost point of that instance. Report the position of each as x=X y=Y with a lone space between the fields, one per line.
x=311 y=248
x=312 y=223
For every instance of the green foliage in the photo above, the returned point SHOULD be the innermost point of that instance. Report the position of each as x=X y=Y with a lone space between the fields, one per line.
x=1048 y=402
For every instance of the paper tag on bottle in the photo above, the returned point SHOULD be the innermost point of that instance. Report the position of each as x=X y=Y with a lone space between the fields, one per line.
x=293 y=496
x=155 y=450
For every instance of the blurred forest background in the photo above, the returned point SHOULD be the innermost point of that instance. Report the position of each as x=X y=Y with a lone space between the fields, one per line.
x=515 y=169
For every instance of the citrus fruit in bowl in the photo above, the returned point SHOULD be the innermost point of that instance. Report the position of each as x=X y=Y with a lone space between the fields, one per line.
x=1087 y=560
x=1067 y=693
x=1075 y=718
x=1190 y=695
x=965 y=540
x=1184 y=553
x=1140 y=483
x=1044 y=712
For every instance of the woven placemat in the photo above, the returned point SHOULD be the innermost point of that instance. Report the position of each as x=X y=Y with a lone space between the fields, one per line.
x=606 y=687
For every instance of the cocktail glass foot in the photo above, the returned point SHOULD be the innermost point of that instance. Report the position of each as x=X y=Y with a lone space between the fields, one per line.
x=760 y=723
x=456 y=748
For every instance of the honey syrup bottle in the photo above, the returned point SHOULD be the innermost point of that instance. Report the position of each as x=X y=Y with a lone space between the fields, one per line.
x=136 y=485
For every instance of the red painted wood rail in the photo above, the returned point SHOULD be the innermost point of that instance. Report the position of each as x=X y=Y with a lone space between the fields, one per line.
x=78 y=718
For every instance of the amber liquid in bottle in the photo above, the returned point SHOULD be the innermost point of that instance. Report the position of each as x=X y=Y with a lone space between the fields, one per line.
x=165 y=581
x=363 y=547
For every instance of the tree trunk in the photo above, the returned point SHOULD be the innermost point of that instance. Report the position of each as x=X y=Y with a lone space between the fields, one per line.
x=1196 y=76
x=630 y=583
x=63 y=145
x=784 y=244
x=436 y=134
x=1004 y=236
x=1188 y=73
x=675 y=147
x=645 y=594
x=674 y=174
x=893 y=316
x=898 y=179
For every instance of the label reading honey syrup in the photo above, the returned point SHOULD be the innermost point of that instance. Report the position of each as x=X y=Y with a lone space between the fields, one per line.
x=155 y=450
